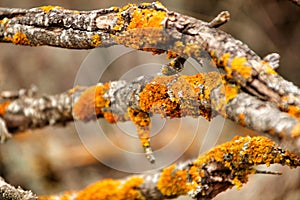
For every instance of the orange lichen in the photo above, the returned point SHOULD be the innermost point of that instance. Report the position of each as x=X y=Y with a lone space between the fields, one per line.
x=296 y=130
x=49 y=8
x=231 y=90
x=111 y=117
x=238 y=65
x=241 y=118
x=4 y=21
x=112 y=189
x=3 y=107
x=90 y=103
x=171 y=54
x=154 y=98
x=223 y=61
x=294 y=111
x=18 y=38
x=241 y=153
x=96 y=40
x=268 y=68
x=146 y=18
x=173 y=182
x=139 y=117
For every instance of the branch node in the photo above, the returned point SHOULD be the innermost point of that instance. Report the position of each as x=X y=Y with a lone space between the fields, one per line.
x=219 y=20
x=273 y=60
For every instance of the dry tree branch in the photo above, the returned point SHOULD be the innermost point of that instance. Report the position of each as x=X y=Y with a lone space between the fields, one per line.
x=204 y=94
x=219 y=169
x=150 y=27
x=251 y=92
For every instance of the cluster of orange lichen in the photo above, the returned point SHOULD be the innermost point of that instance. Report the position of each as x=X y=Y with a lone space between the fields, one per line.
x=177 y=96
x=3 y=107
x=96 y=40
x=241 y=153
x=18 y=38
x=141 y=17
x=113 y=189
x=154 y=98
x=90 y=103
x=173 y=182
x=107 y=189
x=147 y=18
x=239 y=65
x=142 y=121
x=237 y=157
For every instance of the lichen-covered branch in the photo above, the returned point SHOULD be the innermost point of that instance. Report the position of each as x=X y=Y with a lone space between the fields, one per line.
x=175 y=96
x=151 y=27
x=219 y=169
x=9 y=192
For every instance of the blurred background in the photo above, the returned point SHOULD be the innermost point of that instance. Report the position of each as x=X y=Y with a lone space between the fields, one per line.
x=55 y=159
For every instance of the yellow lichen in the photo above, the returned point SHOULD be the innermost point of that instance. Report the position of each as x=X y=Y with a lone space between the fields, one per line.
x=241 y=153
x=90 y=103
x=18 y=38
x=146 y=18
x=231 y=91
x=49 y=8
x=112 y=189
x=268 y=68
x=154 y=98
x=4 y=21
x=138 y=117
x=223 y=61
x=96 y=40
x=173 y=182
x=238 y=65
x=294 y=111
x=171 y=54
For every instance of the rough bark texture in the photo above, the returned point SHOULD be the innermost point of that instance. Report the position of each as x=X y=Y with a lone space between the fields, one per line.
x=250 y=92
x=221 y=168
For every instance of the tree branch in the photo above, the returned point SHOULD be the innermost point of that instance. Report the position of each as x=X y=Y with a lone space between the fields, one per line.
x=221 y=168
x=150 y=27
x=205 y=94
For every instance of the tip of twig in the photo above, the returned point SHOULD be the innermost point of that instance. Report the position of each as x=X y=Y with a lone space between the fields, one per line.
x=149 y=155
x=219 y=20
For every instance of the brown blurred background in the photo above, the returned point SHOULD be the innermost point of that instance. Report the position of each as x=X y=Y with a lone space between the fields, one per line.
x=53 y=159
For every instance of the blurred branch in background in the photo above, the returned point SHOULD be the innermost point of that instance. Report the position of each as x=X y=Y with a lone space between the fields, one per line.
x=297 y=2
